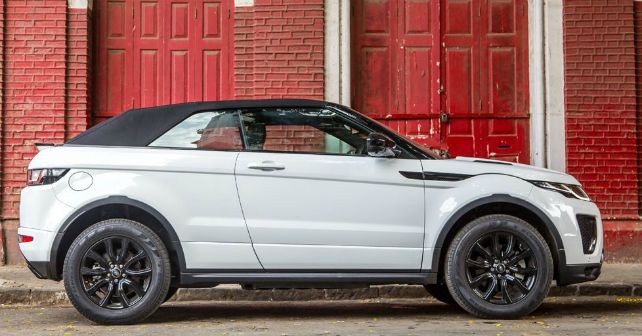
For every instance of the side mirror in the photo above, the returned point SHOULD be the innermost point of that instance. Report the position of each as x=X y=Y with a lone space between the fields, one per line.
x=380 y=145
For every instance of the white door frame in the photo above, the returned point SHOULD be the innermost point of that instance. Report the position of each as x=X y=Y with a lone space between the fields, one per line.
x=546 y=74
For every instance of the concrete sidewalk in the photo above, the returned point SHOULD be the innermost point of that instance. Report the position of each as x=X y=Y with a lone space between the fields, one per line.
x=19 y=287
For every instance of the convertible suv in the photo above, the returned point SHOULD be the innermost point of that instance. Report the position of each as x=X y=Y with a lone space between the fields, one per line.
x=293 y=194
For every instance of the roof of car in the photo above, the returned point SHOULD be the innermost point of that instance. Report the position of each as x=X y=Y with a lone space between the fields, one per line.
x=139 y=127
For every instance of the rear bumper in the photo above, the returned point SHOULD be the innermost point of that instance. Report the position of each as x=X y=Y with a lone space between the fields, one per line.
x=39 y=268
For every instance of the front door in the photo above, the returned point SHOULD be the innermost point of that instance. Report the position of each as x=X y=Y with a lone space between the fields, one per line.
x=314 y=200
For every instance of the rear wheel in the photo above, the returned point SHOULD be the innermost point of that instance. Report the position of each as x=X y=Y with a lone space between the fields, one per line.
x=117 y=272
x=499 y=266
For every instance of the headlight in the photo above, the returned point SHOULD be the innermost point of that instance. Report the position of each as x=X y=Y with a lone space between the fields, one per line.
x=45 y=176
x=568 y=190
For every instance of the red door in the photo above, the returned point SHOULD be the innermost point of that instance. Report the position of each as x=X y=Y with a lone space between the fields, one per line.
x=154 y=52
x=451 y=74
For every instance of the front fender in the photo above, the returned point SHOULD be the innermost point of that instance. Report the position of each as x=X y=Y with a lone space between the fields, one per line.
x=455 y=199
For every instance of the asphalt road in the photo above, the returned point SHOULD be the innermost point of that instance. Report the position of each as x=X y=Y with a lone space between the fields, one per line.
x=584 y=316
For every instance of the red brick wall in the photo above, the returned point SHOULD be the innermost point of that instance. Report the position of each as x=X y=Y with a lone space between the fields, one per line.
x=638 y=75
x=78 y=71
x=34 y=102
x=600 y=94
x=601 y=102
x=45 y=93
x=2 y=257
x=279 y=49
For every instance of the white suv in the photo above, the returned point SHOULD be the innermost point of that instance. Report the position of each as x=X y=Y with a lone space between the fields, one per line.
x=293 y=194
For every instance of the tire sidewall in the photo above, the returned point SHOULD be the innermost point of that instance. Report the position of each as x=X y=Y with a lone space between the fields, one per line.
x=144 y=238
x=456 y=277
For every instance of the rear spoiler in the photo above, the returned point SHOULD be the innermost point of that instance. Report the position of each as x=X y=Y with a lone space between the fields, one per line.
x=41 y=146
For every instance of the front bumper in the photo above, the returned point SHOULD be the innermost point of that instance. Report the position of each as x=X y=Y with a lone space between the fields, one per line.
x=574 y=264
x=572 y=274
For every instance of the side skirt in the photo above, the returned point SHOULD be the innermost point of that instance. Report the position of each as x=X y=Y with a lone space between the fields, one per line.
x=306 y=279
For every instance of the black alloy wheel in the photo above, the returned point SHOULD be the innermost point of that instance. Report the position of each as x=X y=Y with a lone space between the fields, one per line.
x=498 y=266
x=116 y=273
x=501 y=268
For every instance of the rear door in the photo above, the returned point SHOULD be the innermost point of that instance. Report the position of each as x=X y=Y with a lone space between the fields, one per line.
x=313 y=199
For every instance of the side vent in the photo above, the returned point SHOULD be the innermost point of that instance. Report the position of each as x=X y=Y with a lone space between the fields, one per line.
x=588 y=231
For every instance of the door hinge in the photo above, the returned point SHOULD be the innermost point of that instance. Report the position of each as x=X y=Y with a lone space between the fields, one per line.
x=229 y=13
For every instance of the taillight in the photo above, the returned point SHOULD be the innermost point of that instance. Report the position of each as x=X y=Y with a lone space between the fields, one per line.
x=25 y=239
x=45 y=176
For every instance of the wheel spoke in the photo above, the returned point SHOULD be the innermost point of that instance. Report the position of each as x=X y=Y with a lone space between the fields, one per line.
x=131 y=284
x=98 y=285
x=480 y=277
x=519 y=284
x=492 y=289
x=524 y=270
x=109 y=247
x=496 y=246
x=123 y=250
x=508 y=250
x=139 y=256
x=97 y=258
x=139 y=273
x=505 y=295
x=86 y=271
x=110 y=293
x=525 y=253
x=478 y=264
x=484 y=251
x=123 y=295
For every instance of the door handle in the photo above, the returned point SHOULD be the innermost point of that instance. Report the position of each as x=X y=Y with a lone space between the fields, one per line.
x=266 y=166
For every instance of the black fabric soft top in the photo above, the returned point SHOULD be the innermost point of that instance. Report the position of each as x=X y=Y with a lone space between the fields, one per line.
x=139 y=127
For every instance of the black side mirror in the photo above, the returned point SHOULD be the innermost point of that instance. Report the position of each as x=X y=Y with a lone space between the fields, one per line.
x=380 y=145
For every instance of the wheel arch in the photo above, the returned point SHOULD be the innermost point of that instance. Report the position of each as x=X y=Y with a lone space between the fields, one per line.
x=499 y=204
x=109 y=208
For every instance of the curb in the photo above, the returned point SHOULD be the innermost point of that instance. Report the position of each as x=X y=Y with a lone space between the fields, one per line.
x=47 y=297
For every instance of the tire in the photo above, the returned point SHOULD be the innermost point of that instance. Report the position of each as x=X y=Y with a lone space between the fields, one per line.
x=117 y=272
x=441 y=293
x=491 y=275
x=171 y=292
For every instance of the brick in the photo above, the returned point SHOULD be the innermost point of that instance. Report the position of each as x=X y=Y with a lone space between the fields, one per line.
x=278 y=38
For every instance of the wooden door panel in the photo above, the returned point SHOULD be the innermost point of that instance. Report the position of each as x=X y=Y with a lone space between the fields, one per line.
x=148 y=58
x=414 y=60
x=504 y=74
x=154 y=52
x=213 y=50
x=114 y=62
x=416 y=56
x=373 y=78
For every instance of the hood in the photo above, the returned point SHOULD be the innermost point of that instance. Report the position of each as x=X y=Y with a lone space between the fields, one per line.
x=475 y=166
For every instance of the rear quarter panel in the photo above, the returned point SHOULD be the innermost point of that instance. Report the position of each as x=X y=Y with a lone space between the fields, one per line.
x=194 y=190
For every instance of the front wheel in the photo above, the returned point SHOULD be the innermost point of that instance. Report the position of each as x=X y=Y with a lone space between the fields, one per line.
x=499 y=266
x=117 y=272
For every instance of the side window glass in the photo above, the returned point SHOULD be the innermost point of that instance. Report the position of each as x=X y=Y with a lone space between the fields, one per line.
x=302 y=130
x=206 y=130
